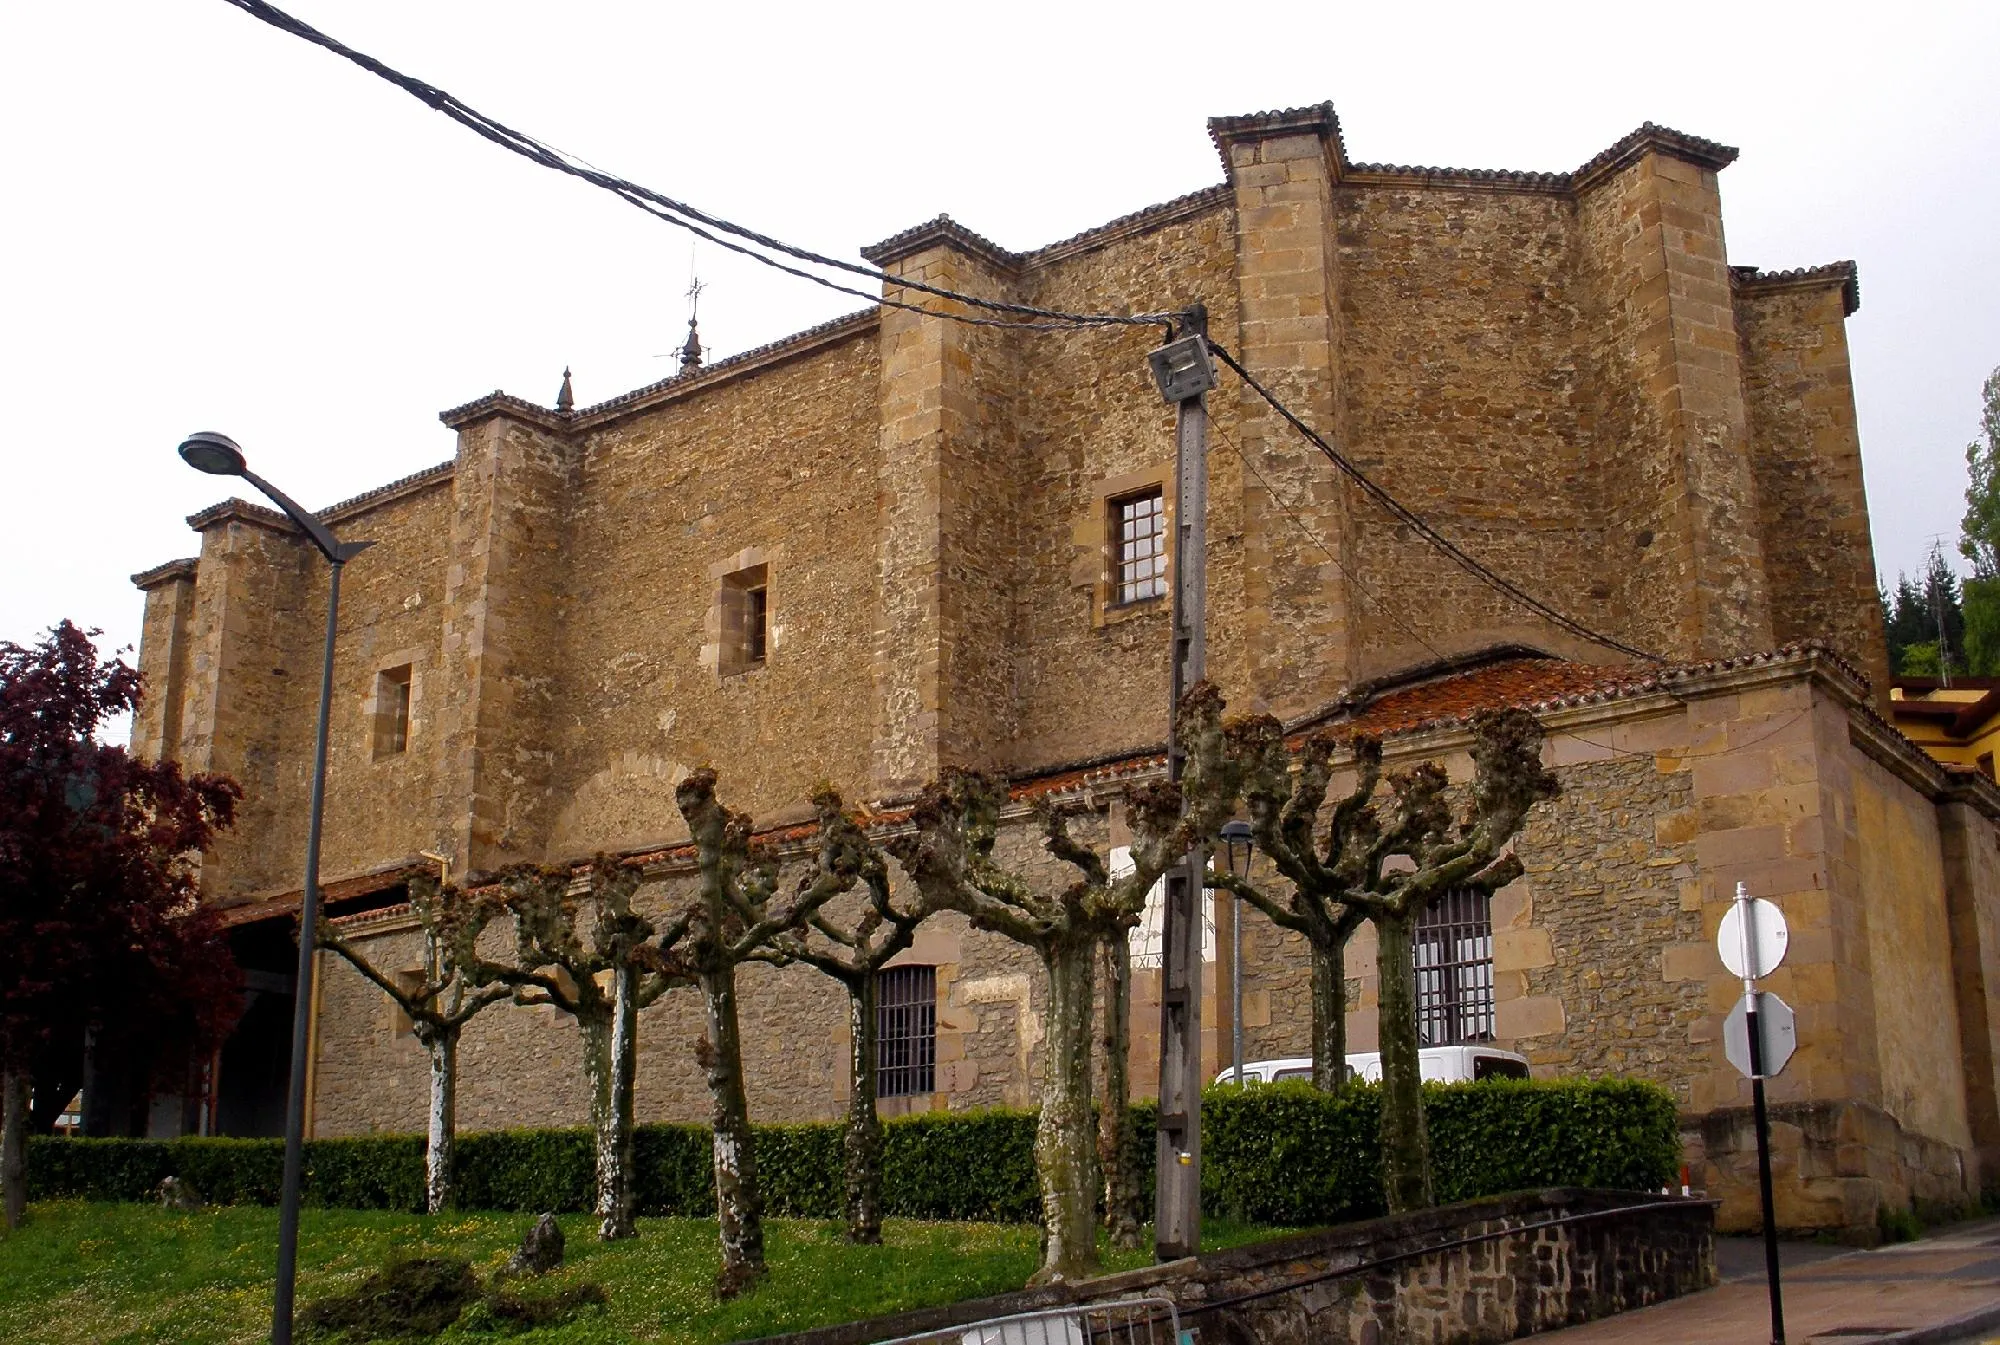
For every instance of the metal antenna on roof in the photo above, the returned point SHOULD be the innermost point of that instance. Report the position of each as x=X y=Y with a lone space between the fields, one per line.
x=691 y=352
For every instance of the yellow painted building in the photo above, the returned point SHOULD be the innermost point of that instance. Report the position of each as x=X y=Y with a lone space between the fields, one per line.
x=1957 y=723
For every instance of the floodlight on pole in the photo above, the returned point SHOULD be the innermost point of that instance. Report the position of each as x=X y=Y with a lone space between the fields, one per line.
x=219 y=455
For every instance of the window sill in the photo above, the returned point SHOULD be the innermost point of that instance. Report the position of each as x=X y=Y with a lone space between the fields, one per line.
x=1110 y=613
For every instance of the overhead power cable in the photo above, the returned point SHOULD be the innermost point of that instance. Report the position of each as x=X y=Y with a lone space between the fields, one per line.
x=1403 y=513
x=698 y=222
x=1312 y=535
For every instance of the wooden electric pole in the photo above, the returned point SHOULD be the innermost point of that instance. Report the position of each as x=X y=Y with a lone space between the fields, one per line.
x=1185 y=374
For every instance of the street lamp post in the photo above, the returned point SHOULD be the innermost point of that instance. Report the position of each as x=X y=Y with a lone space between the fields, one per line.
x=218 y=455
x=1237 y=847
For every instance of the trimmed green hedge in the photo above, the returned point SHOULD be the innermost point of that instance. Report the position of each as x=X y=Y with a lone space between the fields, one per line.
x=1284 y=1154
x=1279 y=1154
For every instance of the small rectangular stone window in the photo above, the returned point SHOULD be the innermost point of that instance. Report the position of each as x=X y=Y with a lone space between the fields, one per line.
x=392 y=712
x=746 y=619
x=1454 y=964
x=1138 y=547
x=905 y=1031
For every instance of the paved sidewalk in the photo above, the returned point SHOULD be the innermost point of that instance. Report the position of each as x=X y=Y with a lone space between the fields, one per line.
x=1943 y=1288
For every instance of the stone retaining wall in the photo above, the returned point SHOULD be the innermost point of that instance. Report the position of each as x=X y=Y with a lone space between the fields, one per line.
x=1487 y=1270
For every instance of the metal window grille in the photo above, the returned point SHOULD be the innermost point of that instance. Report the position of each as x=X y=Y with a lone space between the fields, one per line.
x=1454 y=963
x=1139 y=532
x=905 y=1031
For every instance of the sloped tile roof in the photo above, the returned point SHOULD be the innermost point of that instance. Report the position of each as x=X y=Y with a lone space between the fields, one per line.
x=1844 y=273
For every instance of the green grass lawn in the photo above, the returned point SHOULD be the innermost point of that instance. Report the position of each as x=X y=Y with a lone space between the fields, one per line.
x=78 y=1272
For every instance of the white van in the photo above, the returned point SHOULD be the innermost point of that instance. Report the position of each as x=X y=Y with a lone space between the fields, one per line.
x=1435 y=1064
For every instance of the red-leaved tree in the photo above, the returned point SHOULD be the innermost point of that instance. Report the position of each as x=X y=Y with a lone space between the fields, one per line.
x=101 y=924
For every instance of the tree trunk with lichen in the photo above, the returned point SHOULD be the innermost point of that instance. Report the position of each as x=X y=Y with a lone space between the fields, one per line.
x=614 y=1196
x=1329 y=1026
x=1065 y=1152
x=863 y=1141
x=1406 y=1150
x=613 y=1150
x=1123 y=1198
x=739 y=1207
x=442 y=1043
x=14 y=1146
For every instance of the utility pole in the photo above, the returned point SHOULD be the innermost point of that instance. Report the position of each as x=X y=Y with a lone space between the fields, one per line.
x=1185 y=374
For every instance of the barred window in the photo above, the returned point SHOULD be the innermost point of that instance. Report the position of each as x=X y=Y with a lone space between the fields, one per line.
x=905 y=1031
x=1454 y=957
x=1139 y=547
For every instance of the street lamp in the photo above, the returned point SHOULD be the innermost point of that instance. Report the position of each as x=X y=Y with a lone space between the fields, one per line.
x=218 y=455
x=1237 y=848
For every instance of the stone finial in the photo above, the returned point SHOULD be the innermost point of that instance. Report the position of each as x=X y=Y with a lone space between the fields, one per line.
x=691 y=352
x=566 y=399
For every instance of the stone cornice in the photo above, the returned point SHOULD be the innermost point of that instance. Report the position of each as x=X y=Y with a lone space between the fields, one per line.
x=1628 y=150
x=944 y=231
x=1319 y=120
x=1652 y=139
x=498 y=403
x=368 y=500
x=172 y=571
x=1845 y=274
x=1132 y=225
x=234 y=510
x=1456 y=179
x=723 y=371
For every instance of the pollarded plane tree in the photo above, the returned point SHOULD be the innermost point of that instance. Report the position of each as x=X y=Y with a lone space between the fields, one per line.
x=440 y=1001
x=736 y=913
x=1285 y=799
x=949 y=856
x=573 y=932
x=854 y=952
x=1124 y=1196
x=1391 y=858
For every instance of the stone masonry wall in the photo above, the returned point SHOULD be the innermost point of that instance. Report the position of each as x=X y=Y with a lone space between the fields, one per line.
x=1484 y=1271
x=1972 y=888
x=781 y=471
x=1812 y=503
x=1547 y=369
x=237 y=720
x=1462 y=386
x=1090 y=678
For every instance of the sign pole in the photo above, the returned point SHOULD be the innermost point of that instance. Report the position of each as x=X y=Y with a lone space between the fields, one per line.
x=1756 y=1043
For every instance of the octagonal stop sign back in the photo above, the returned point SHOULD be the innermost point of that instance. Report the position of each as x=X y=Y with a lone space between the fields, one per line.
x=1774 y=1024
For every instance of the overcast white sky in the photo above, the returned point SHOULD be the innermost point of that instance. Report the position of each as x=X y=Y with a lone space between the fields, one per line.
x=210 y=224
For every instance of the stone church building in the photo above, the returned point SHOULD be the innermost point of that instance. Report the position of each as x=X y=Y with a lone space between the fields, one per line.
x=894 y=543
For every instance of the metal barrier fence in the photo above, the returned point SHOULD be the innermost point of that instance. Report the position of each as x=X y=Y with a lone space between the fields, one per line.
x=1132 y=1321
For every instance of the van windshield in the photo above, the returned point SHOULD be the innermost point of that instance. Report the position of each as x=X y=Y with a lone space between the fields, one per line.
x=1497 y=1067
